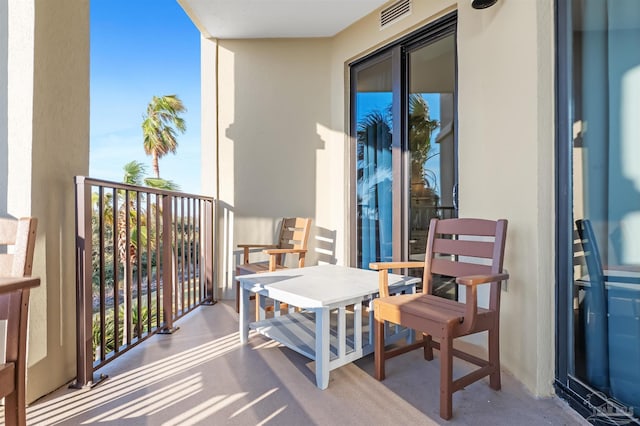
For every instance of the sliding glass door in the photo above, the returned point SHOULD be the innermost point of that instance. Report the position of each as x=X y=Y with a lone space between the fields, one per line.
x=404 y=151
x=599 y=221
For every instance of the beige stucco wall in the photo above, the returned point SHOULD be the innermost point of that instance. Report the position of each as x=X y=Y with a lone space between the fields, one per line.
x=48 y=134
x=283 y=149
x=273 y=129
x=506 y=139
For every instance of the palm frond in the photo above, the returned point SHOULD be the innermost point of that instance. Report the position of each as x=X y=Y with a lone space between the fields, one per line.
x=160 y=183
x=133 y=172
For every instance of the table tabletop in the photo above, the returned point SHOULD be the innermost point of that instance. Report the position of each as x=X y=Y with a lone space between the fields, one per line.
x=318 y=286
x=10 y=284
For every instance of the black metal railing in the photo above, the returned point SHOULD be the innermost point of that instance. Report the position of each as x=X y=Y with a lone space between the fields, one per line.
x=144 y=258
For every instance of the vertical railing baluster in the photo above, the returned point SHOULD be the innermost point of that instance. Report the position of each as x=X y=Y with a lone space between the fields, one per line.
x=127 y=263
x=209 y=220
x=181 y=260
x=196 y=249
x=188 y=264
x=174 y=259
x=149 y=261
x=167 y=264
x=178 y=281
x=138 y=253
x=116 y=273
x=102 y=275
x=159 y=243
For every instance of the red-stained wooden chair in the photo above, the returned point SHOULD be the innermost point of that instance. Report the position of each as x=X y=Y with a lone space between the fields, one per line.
x=453 y=249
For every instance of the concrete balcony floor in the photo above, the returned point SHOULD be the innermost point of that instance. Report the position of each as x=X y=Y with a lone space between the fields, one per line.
x=202 y=375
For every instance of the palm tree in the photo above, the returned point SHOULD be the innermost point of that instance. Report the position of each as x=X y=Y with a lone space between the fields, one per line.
x=133 y=175
x=142 y=233
x=160 y=126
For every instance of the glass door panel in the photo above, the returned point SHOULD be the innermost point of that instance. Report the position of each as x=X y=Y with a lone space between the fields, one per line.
x=606 y=200
x=431 y=146
x=374 y=167
x=431 y=141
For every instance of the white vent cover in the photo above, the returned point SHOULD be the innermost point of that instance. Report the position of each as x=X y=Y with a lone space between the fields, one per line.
x=395 y=12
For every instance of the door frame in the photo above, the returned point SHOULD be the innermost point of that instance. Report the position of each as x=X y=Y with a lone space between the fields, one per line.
x=397 y=51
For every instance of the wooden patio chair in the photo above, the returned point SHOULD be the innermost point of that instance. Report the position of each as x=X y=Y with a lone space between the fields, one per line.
x=14 y=306
x=457 y=248
x=294 y=235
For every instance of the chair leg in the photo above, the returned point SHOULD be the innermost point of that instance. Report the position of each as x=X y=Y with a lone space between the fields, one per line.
x=428 y=349
x=12 y=414
x=446 y=376
x=378 y=355
x=494 y=359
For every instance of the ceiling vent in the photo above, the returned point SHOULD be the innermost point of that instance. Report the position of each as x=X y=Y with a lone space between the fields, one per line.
x=394 y=13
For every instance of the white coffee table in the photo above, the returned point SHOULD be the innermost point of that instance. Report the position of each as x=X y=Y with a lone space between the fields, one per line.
x=323 y=292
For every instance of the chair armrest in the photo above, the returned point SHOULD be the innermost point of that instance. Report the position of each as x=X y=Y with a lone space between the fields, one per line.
x=471 y=283
x=246 y=248
x=257 y=245
x=473 y=280
x=383 y=273
x=377 y=266
x=283 y=251
x=275 y=256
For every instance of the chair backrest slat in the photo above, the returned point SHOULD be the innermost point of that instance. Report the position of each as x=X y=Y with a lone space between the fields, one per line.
x=6 y=265
x=479 y=227
x=482 y=249
x=453 y=268
x=8 y=228
x=294 y=233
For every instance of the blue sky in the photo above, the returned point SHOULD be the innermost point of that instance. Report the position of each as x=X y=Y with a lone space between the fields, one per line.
x=142 y=48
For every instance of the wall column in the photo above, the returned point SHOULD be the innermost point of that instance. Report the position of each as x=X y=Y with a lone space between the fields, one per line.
x=47 y=143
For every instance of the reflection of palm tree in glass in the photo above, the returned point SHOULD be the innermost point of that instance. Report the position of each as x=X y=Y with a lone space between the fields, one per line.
x=373 y=130
x=420 y=126
x=424 y=197
x=420 y=129
x=374 y=177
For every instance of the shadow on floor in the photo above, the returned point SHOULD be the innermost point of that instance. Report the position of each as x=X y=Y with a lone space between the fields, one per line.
x=202 y=375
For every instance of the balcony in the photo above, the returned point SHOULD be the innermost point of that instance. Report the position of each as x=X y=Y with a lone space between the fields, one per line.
x=199 y=372
x=202 y=375
x=302 y=97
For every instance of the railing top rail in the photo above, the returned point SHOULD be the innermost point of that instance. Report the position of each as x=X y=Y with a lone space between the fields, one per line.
x=80 y=180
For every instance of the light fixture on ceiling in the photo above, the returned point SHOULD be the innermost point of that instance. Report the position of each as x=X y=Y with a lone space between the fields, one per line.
x=482 y=4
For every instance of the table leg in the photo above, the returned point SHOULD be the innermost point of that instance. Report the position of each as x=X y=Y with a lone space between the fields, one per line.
x=244 y=314
x=261 y=307
x=322 y=347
